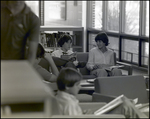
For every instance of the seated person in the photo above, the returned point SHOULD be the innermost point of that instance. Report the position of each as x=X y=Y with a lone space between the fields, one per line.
x=68 y=83
x=47 y=76
x=101 y=57
x=65 y=43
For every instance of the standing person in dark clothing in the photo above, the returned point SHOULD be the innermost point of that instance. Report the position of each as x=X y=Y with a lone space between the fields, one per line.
x=19 y=25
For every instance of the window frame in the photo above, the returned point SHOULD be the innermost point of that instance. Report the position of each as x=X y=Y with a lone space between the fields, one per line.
x=121 y=34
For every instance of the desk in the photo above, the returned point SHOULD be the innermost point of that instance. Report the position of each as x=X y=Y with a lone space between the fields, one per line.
x=20 y=83
x=87 y=87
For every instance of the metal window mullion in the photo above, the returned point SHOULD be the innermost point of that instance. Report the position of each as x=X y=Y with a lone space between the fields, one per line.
x=105 y=12
x=41 y=11
x=142 y=26
x=122 y=17
x=142 y=18
x=90 y=20
x=121 y=25
x=90 y=13
x=140 y=51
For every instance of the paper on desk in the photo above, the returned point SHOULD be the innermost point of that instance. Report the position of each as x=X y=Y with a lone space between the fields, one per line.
x=114 y=103
x=135 y=100
x=112 y=67
x=91 y=80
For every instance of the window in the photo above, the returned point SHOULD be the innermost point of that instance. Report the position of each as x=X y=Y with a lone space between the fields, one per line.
x=113 y=44
x=113 y=16
x=147 y=18
x=34 y=5
x=61 y=13
x=145 y=53
x=132 y=17
x=97 y=16
x=122 y=20
x=130 y=52
x=92 y=42
x=54 y=10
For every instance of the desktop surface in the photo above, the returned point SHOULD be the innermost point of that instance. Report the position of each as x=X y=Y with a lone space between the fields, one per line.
x=21 y=83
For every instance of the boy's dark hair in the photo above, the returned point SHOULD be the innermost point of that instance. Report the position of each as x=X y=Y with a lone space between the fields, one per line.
x=103 y=37
x=67 y=77
x=40 y=51
x=64 y=38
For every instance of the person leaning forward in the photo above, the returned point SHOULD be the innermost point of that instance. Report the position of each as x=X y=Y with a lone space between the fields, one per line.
x=18 y=25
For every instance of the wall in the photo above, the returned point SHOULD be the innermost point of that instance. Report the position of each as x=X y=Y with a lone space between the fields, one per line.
x=74 y=15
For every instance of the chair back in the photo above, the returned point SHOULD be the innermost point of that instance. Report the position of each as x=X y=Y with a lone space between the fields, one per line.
x=44 y=63
x=115 y=58
x=131 y=86
x=83 y=57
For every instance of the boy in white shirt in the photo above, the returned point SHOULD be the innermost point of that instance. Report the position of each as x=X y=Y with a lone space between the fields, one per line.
x=65 y=43
x=68 y=83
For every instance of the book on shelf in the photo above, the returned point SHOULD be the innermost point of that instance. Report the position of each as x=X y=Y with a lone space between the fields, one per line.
x=51 y=39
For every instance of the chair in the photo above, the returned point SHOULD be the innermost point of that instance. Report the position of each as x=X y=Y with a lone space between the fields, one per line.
x=127 y=67
x=83 y=56
x=107 y=88
x=44 y=63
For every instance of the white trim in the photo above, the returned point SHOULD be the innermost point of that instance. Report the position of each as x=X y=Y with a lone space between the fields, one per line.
x=84 y=24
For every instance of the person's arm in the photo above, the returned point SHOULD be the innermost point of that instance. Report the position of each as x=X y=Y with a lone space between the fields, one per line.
x=33 y=37
x=46 y=75
x=90 y=63
x=54 y=69
x=72 y=109
x=32 y=51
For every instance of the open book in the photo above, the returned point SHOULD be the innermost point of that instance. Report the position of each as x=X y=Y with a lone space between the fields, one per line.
x=111 y=105
x=71 y=57
x=129 y=108
x=112 y=67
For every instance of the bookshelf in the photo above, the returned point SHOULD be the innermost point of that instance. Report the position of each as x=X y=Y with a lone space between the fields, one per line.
x=74 y=31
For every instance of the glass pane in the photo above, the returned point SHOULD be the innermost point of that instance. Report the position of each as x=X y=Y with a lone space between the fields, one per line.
x=145 y=53
x=132 y=17
x=97 y=18
x=113 y=16
x=147 y=18
x=113 y=44
x=34 y=5
x=130 y=50
x=54 y=10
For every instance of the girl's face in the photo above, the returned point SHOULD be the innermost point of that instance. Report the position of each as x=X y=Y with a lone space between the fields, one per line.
x=67 y=45
x=100 y=44
x=75 y=89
